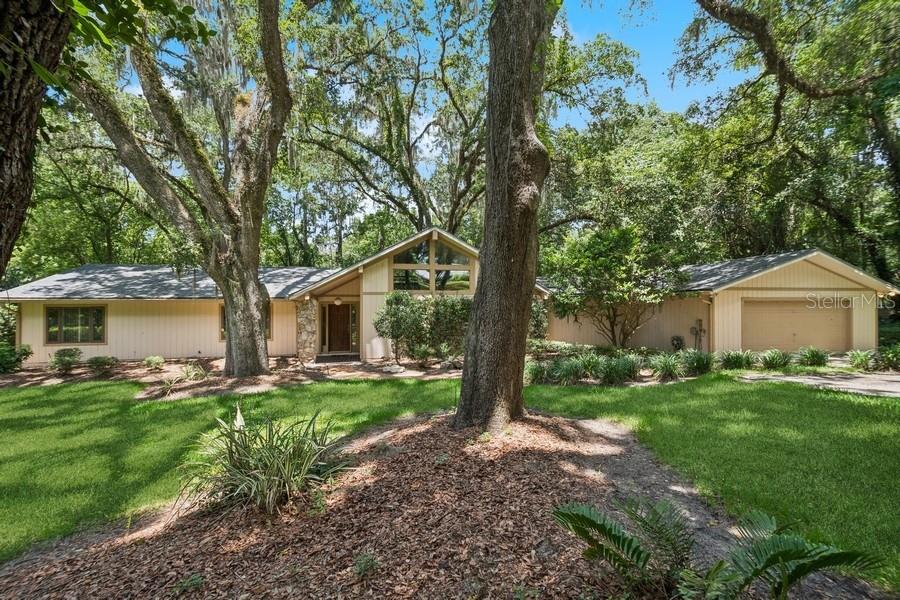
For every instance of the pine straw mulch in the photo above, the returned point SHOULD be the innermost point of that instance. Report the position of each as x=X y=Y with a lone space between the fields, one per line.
x=445 y=514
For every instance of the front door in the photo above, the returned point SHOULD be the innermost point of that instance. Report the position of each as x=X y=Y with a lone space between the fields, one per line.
x=339 y=328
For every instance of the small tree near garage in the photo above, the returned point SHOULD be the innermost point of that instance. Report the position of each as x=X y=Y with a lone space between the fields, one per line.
x=613 y=278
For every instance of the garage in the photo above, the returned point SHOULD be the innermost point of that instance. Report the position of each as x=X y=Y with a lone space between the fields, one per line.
x=791 y=324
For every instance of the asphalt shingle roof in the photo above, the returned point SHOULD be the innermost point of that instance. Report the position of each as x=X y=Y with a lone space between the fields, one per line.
x=713 y=276
x=99 y=281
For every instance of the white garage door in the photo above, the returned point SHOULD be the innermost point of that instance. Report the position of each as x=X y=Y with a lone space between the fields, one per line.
x=792 y=324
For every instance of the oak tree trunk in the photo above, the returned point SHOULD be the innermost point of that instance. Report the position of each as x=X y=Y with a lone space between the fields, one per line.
x=41 y=31
x=517 y=164
x=246 y=307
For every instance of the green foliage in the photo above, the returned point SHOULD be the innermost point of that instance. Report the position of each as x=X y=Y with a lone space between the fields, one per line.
x=655 y=559
x=194 y=371
x=403 y=319
x=613 y=277
x=192 y=582
x=888 y=358
x=154 y=363
x=537 y=325
x=616 y=370
x=12 y=357
x=592 y=364
x=8 y=317
x=64 y=360
x=697 y=362
x=863 y=360
x=365 y=564
x=536 y=372
x=567 y=371
x=810 y=356
x=738 y=359
x=261 y=465
x=426 y=326
x=667 y=367
x=102 y=365
x=448 y=322
x=774 y=359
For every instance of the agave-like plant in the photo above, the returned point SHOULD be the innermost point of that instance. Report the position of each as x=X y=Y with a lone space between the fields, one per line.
x=261 y=465
x=773 y=554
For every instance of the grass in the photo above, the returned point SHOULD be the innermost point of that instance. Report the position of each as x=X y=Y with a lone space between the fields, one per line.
x=75 y=455
x=828 y=459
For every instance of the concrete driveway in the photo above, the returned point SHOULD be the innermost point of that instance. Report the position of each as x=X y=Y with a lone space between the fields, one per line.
x=871 y=384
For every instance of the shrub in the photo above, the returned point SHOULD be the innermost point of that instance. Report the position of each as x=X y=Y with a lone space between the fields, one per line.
x=539 y=321
x=774 y=359
x=810 y=356
x=102 y=365
x=259 y=465
x=653 y=559
x=592 y=364
x=536 y=372
x=738 y=359
x=888 y=358
x=864 y=360
x=567 y=371
x=697 y=362
x=154 y=363
x=65 y=359
x=402 y=320
x=193 y=371
x=12 y=357
x=447 y=323
x=666 y=367
x=617 y=371
x=631 y=364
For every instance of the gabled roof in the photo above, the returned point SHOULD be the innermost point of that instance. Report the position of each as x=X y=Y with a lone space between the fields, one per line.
x=714 y=277
x=421 y=235
x=151 y=282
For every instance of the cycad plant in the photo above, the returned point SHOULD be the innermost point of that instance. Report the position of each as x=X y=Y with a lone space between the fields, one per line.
x=260 y=465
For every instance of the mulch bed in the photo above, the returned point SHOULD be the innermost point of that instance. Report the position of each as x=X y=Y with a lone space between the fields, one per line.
x=439 y=514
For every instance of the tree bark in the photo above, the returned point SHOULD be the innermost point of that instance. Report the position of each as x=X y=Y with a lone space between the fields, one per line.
x=41 y=30
x=517 y=164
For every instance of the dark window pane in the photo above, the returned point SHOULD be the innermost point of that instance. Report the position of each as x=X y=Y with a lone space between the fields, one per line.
x=410 y=279
x=53 y=325
x=445 y=255
x=452 y=280
x=70 y=325
x=417 y=255
x=354 y=329
x=98 y=324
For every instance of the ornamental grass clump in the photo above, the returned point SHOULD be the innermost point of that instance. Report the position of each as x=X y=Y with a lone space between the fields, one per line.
x=774 y=359
x=738 y=359
x=863 y=360
x=697 y=362
x=536 y=372
x=567 y=371
x=810 y=356
x=888 y=358
x=667 y=367
x=261 y=465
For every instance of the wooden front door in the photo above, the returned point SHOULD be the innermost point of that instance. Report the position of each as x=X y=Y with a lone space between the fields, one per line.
x=339 y=328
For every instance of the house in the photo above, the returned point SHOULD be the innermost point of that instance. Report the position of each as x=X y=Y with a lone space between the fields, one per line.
x=134 y=311
x=785 y=301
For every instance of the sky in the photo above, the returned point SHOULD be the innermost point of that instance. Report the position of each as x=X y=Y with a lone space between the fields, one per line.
x=653 y=33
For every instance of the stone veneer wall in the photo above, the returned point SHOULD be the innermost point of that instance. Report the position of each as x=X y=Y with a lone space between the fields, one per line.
x=307 y=328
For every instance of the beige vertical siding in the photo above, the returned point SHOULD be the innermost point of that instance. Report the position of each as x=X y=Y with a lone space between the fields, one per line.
x=675 y=316
x=374 y=286
x=169 y=328
x=803 y=274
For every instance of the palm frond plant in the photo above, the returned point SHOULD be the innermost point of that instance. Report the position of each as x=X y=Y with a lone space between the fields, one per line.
x=261 y=465
x=810 y=356
x=774 y=359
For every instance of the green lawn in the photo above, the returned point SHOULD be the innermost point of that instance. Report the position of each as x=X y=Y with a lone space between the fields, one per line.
x=80 y=454
x=828 y=459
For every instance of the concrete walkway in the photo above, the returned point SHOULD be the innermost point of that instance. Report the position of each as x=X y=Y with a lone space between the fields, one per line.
x=870 y=384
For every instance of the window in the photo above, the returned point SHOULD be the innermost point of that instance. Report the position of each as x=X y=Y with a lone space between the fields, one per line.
x=222 y=328
x=452 y=281
x=445 y=255
x=416 y=255
x=75 y=324
x=412 y=279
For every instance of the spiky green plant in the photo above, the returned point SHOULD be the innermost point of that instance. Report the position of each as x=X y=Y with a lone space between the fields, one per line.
x=888 y=358
x=697 y=362
x=738 y=359
x=536 y=372
x=864 y=360
x=631 y=364
x=810 y=356
x=667 y=367
x=773 y=554
x=260 y=465
x=567 y=371
x=591 y=364
x=774 y=359
x=617 y=370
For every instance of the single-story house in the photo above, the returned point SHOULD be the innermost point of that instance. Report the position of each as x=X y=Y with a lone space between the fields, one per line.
x=134 y=311
x=785 y=301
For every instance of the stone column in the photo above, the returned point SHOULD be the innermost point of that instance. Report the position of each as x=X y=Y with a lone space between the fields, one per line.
x=307 y=330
